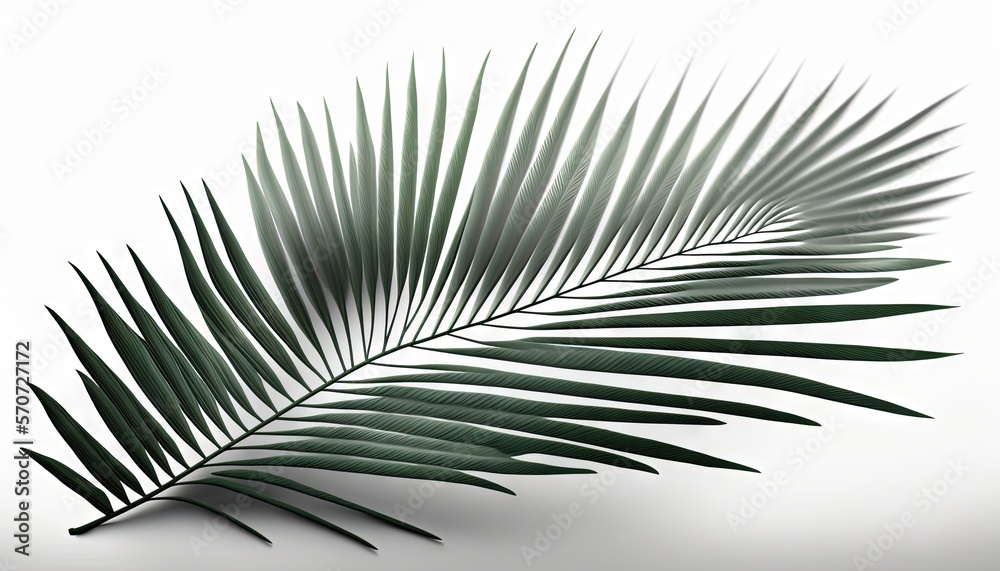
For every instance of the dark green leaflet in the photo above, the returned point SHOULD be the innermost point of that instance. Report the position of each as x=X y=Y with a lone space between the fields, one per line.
x=743 y=268
x=386 y=204
x=72 y=480
x=787 y=315
x=465 y=375
x=428 y=182
x=750 y=347
x=726 y=290
x=407 y=197
x=585 y=358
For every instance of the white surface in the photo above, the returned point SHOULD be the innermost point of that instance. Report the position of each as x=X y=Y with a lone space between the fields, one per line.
x=208 y=74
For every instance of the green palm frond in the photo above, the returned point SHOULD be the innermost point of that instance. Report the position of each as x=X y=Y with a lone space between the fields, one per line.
x=401 y=324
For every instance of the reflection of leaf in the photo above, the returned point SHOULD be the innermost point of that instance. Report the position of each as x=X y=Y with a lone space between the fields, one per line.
x=361 y=266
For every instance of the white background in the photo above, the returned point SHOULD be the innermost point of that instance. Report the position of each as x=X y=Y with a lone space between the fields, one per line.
x=209 y=68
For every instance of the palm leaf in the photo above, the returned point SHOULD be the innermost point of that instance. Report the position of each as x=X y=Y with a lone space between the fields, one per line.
x=534 y=264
